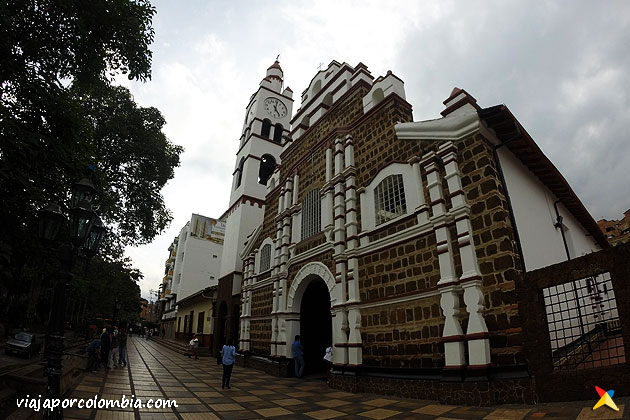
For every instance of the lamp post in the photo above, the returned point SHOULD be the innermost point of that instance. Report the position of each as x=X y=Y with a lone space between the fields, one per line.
x=86 y=232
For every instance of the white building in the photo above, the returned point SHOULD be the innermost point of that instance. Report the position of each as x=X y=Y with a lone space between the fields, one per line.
x=193 y=264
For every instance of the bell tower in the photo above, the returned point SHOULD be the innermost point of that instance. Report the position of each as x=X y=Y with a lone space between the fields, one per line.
x=262 y=138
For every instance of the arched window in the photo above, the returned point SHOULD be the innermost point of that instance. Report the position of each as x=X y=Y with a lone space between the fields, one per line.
x=328 y=99
x=377 y=96
x=317 y=86
x=266 y=128
x=239 y=175
x=305 y=121
x=267 y=166
x=311 y=214
x=265 y=258
x=277 y=133
x=389 y=199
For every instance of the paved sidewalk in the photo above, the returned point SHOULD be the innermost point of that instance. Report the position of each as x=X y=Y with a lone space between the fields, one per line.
x=156 y=372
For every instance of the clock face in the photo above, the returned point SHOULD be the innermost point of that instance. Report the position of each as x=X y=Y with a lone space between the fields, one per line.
x=275 y=107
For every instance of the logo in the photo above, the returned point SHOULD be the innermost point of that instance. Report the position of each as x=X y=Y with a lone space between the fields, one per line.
x=605 y=399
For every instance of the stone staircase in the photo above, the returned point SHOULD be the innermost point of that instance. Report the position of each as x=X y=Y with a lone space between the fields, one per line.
x=180 y=347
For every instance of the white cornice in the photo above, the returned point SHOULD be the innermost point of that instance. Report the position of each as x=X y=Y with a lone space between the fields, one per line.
x=451 y=127
x=250 y=242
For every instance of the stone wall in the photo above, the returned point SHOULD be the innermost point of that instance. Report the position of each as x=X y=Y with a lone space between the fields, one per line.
x=485 y=393
x=260 y=336
x=496 y=249
x=404 y=335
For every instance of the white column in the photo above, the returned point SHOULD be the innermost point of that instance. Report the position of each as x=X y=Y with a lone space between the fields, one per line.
x=477 y=331
x=296 y=180
x=340 y=336
x=329 y=162
x=453 y=336
x=274 y=320
x=277 y=247
x=422 y=210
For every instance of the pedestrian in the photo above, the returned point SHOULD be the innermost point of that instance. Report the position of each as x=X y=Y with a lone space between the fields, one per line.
x=228 y=353
x=328 y=359
x=193 y=345
x=113 y=353
x=105 y=345
x=122 y=348
x=298 y=356
x=94 y=353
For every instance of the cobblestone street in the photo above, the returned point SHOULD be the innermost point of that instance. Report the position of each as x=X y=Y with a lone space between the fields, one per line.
x=155 y=372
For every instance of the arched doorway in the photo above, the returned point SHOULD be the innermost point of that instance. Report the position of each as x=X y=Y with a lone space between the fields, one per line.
x=315 y=325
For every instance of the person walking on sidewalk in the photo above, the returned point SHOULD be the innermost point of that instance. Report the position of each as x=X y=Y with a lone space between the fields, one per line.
x=94 y=354
x=105 y=344
x=122 y=347
x=228 y=353
x=298 y=356
x=193 y=346
x=113 y=352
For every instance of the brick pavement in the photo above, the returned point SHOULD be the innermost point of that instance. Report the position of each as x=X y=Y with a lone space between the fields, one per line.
x=157 y=372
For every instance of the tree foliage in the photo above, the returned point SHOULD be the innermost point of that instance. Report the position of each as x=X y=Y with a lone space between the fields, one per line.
x=60 y=112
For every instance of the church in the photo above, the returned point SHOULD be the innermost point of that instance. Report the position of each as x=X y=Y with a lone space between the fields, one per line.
x=403 y=245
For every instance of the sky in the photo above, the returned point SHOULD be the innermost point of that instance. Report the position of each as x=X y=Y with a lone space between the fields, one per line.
x=561 y=67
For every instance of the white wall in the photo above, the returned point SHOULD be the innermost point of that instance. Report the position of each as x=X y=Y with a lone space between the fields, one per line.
x=533 y=208
x=177 y=270
x=202 y=261
x=243 y=221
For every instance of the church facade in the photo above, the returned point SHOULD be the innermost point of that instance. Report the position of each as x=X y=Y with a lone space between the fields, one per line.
x=399 y=243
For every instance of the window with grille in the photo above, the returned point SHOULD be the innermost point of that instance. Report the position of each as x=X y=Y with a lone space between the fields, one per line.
x=584 y=324
x=265 y=258
x=389 y=199
x=311 y=214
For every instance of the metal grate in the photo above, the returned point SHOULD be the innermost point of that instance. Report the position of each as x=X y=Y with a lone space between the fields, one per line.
x=265 y=258
x=311 y=214
x=584 y=325
x=389 y=199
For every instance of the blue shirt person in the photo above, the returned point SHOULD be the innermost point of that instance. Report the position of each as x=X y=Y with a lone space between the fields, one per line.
x=227 y=353
x=298 y=356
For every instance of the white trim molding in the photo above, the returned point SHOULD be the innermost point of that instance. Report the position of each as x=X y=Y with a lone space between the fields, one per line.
x=452 y=127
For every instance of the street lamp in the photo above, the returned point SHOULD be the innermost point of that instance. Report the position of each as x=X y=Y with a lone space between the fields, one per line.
x=86 y=232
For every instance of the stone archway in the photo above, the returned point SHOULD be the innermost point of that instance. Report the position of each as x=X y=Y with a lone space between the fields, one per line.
x=301 y=281
x=315 y=325
x=311 y=297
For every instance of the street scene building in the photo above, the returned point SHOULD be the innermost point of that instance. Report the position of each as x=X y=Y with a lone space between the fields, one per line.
x=192 y=266
x=617 y=231
x=412 y=248
x=402 y=244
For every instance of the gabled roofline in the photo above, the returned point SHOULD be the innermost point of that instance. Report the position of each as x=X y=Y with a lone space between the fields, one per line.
x=512 y=134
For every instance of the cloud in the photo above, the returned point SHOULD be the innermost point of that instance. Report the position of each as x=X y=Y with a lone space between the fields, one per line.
x=561 y=68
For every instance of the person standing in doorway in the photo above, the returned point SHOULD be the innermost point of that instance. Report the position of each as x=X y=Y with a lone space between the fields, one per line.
x=228 y=353
x=298 y=357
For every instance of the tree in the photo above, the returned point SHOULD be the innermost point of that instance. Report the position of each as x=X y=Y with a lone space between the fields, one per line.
x=59 y=113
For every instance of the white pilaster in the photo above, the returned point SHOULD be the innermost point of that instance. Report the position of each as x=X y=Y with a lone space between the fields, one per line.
x=453 y=336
